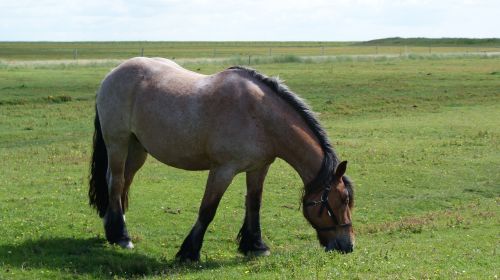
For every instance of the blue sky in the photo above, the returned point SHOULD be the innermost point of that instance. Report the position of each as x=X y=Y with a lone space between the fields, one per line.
x=263 y=20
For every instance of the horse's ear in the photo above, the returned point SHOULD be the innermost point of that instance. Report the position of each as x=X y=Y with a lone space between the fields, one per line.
x=341 y=168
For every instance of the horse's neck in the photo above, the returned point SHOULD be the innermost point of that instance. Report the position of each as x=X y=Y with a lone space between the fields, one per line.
x=299 y=147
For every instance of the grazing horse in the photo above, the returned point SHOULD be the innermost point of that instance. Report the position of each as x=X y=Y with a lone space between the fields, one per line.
x=238 y=120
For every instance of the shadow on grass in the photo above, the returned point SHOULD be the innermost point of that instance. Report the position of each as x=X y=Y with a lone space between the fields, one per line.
x=94 y=257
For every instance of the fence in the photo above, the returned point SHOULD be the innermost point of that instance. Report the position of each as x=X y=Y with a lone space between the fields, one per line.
x=117 y=50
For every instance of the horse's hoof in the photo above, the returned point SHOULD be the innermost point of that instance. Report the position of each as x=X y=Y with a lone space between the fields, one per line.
x=187 y=261
x=126 y=244
x=187 y=258
x=259 y=253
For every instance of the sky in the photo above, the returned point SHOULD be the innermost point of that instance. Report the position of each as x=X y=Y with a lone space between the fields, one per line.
x=257 y=20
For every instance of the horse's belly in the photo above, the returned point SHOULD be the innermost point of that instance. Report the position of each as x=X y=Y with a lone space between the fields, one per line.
x=185 y=162
x=175 y=150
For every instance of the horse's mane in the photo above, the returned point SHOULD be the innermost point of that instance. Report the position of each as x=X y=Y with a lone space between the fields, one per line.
x=330 y=159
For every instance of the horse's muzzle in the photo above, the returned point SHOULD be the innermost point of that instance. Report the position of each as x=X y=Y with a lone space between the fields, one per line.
x=343 y=246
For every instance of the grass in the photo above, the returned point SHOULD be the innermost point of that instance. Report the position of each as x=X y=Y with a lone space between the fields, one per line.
x=422 y=137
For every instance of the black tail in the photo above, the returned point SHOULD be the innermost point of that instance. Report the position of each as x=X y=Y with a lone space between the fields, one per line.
x=98 y=191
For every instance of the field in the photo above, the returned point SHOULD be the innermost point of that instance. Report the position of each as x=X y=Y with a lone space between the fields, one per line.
x=421 y=134
x=121 y=50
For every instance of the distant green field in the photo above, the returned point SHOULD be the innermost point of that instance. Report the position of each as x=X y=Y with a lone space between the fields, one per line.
x=174 y=50
x=422 y=137
x=450 y=42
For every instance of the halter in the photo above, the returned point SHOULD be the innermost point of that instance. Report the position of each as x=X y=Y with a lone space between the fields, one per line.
x=325 y=204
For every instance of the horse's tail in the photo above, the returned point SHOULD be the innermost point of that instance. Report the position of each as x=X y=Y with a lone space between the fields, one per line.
x=98 y=191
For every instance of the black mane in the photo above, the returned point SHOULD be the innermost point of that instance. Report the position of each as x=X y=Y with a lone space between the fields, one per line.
x=330 y=160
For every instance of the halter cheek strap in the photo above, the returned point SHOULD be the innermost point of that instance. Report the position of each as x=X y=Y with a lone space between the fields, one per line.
x=325 y=204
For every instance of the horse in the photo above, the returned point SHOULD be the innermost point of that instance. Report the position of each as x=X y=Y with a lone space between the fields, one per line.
x=234 y=121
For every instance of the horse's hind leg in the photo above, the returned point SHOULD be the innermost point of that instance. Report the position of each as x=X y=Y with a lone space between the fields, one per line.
x=135 y=159
x=114 y=222
x=217 y=183
x=250 y=236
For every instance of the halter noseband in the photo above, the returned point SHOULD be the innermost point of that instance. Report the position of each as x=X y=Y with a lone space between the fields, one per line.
x=325 y=204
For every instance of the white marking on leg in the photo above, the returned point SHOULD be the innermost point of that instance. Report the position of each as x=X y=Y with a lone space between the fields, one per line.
x=126 y=244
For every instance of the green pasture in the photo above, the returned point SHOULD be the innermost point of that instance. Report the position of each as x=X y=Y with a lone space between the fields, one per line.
x=422 y=137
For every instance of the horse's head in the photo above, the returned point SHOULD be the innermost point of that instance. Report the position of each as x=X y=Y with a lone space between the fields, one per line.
x=329 y=212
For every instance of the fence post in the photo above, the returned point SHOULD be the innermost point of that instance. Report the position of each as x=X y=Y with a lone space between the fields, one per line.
x=322 y=50
x=376 y=49
x=249 y=57
x=75 y=54
x=270 y=51
x=142 y=51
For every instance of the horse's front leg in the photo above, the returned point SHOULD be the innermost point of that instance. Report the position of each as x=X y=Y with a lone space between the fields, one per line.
x=250 y=236
x=217 y=183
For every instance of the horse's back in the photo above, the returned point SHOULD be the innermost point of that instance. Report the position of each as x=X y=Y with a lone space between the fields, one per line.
x=146 y=80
